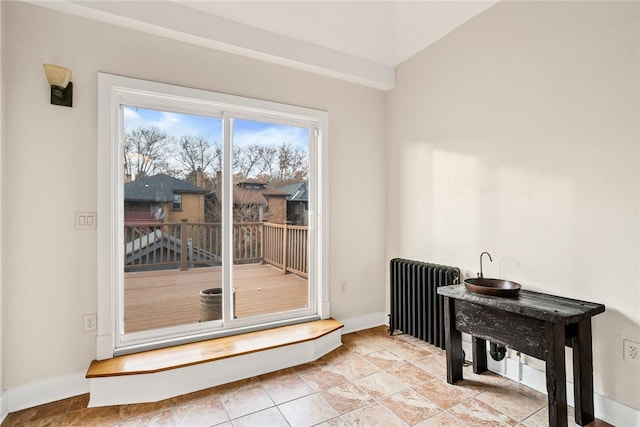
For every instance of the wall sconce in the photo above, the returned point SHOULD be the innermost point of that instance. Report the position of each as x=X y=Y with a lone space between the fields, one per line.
x=61 y=87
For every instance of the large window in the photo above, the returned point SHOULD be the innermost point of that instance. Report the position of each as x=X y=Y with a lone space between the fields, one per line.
x=211 y=213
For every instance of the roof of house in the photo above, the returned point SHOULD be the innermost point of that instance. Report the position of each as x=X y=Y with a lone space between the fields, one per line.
x=252 y=181
x=245 y=196
x=297 y=192
x=273 y=192
x=158 y=188
x=252 y=196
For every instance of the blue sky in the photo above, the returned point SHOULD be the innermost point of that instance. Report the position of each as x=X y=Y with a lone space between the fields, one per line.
x=245 y=131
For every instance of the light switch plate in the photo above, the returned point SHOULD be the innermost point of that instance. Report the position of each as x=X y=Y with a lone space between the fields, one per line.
x=85 y=220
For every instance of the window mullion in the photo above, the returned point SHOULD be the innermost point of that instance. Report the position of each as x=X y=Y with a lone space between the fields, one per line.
x=227 y=217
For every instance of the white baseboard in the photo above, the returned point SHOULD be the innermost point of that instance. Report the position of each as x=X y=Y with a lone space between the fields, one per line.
x=605 y=409
x=44 y=392
x=4 y=410
x=354 y=324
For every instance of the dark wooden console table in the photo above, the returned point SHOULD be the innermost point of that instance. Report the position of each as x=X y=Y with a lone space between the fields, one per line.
x=536 y=324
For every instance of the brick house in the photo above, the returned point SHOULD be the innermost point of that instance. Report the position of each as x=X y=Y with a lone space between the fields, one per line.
x=253 y=200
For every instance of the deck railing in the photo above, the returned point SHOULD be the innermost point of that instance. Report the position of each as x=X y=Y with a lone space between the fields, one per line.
x=184 y=245
x=285 y=246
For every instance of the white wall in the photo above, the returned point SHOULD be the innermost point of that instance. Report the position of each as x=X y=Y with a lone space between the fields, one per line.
x=518 y=134
x=50 y=163
x=2 y=388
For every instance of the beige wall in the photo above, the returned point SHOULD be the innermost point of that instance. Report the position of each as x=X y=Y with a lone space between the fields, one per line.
x=518 y=134
x=2 y=299
x=192 y=209
x=50 y=157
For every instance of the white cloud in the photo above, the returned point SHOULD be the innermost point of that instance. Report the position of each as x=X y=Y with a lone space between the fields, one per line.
x=171 y=123
x=131 y=116
x=272 y=136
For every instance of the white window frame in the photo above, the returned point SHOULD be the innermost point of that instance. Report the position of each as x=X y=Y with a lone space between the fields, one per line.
x=115 y=91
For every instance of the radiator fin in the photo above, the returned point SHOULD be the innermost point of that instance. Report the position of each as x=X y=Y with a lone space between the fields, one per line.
x=416 y=307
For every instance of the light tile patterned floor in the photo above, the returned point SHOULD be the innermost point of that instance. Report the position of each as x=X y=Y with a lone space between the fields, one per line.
x=373 y=380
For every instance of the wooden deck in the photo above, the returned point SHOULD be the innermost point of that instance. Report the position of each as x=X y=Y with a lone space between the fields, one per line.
x=163 y=298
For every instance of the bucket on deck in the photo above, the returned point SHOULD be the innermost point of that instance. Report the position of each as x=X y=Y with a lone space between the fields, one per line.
x=210 y=304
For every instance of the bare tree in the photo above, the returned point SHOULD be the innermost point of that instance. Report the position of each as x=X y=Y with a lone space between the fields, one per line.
x=268 y=155
x=149 y=151
x=279 y=165
x=195 y=153
x=250 y=161
x=292 y=165
x=145 y=152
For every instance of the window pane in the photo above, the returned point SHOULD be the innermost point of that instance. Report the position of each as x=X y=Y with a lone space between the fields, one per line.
x=172 y=241
x=270 y=204
x=177 y=201
x=172 y=221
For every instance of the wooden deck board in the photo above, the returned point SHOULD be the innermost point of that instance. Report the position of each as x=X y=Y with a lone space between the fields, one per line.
x=207 y=351
x=164 y=298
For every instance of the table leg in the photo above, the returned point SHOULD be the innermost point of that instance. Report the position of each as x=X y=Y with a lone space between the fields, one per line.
x=452 y=342
x=583 y=373
x=556 y=375
x=479 y=349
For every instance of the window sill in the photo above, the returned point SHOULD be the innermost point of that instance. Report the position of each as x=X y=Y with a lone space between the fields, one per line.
x=180 y=356
x=160 y=374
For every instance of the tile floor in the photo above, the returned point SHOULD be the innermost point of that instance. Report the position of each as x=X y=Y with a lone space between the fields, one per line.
x=372 y=380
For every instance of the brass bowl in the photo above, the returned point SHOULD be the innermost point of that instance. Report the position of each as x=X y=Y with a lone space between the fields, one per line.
x=494 y=287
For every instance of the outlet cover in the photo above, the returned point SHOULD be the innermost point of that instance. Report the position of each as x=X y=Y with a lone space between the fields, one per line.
x=89 y=322
x=631 y=351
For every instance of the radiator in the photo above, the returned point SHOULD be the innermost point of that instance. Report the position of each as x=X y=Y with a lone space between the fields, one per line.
x=416 y=307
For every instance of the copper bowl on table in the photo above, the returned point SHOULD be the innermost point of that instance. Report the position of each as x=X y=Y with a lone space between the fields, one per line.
x=494 y=287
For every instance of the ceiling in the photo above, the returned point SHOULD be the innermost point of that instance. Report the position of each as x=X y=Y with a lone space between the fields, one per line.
x=359 y=41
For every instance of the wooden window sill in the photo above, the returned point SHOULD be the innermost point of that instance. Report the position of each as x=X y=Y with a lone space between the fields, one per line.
x=184 y=355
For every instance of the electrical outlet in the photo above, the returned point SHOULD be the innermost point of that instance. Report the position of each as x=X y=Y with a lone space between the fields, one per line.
x=89 y=322
x=343 y=287
x=631 y=351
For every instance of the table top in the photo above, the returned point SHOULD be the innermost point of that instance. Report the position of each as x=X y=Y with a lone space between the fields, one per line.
x=530 y=303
